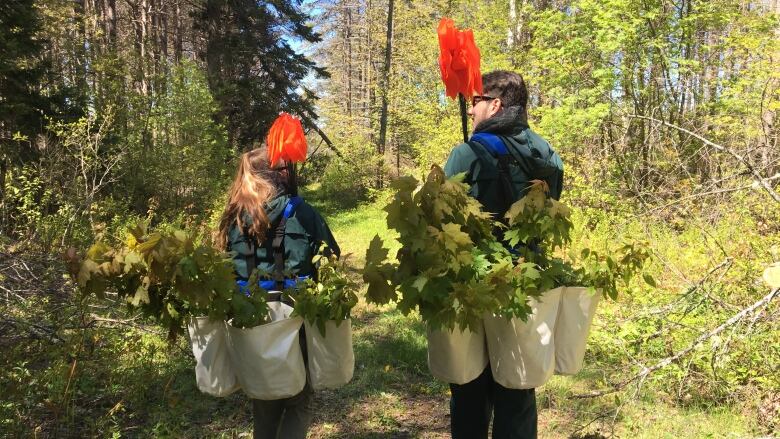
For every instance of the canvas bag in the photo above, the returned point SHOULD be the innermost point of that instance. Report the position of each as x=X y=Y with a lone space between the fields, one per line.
x=331 y=359
x=456 y=356
x=575 y=315
x=267 y=358
x=522 y=354
x=214 y=372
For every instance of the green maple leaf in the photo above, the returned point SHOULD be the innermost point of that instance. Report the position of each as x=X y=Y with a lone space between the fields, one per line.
x=558 y=209
x=376 y=252
x=453 y=232
x=379 y=289
x=404 y=184
x=420 y=282
x=88 y=267
x=188 y=268
x=149 y=244
x=98 y=251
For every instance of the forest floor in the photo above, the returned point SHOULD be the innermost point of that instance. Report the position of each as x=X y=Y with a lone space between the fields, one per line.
x=123 y=379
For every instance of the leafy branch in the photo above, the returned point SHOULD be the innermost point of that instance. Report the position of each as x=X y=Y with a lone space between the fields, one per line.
x=329 y=298
x=167 y=277
x=450 y=268
x=453 y=270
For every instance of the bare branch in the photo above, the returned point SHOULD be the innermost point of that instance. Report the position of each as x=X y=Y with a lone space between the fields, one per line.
x=701 y=339
x=760 y=179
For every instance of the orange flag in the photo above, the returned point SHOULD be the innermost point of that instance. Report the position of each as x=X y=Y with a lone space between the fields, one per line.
x=458 y=60
x=286 y=140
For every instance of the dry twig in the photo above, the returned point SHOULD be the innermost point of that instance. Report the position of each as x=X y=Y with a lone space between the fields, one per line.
x=701 y=339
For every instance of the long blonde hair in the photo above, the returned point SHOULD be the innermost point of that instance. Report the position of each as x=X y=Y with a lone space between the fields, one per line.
x=253 y=186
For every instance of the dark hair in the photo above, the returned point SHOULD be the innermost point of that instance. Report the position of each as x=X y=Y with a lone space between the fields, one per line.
x=507 y=86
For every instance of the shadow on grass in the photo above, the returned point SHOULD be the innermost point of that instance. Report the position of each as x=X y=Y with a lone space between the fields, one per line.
x=328 y=206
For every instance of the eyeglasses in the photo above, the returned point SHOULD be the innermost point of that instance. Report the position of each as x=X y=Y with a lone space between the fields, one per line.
x=477 y=99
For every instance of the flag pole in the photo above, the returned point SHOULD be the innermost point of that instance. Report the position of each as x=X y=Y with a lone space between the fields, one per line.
x=463 y=117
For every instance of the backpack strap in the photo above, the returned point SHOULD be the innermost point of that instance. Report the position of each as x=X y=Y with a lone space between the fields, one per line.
x=278 y=241
x=487 y=147
x=252 y=252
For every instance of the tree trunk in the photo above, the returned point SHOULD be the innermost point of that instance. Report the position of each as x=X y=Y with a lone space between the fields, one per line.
x=109 y=23
x=143 y=37
x=177 y=25
x=510 y=32
x=385 y=89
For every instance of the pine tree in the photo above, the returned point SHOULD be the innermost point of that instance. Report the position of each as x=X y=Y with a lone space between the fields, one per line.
x=252 y=69
x=21 y=72
x=21 y=104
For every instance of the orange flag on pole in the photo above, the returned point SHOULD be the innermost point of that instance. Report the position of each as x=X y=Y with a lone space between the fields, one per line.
x=286 y=140
x=458 y=60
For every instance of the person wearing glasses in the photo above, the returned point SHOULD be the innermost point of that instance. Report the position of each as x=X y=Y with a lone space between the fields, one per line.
x=501 y=160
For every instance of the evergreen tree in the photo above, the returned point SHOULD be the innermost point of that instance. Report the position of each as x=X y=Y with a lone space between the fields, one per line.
x=21 y=72
x=253 y=71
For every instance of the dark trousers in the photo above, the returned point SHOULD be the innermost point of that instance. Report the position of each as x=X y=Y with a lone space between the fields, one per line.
x=287 y=418
x=472 y=405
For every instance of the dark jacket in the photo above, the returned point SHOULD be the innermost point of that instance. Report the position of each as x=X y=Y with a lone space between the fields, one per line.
x=304 y=232
x=539 y=161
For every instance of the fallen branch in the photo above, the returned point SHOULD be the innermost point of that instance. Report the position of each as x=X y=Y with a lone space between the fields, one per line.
x=759 y=179
x=704 y=194
x=701 y=339
x=35 y=330
x=322 y=134
x=116 y=322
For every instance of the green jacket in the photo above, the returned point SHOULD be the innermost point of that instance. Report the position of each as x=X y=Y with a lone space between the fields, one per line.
x=304 y=232
x=540 y=161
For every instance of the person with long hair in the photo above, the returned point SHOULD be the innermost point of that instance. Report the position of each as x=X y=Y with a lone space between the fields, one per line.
x=267 y=225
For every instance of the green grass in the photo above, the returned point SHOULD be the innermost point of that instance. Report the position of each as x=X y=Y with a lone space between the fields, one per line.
x=353 y=228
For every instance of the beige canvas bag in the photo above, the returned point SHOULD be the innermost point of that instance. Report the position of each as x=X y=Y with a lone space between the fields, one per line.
x=456 y=356
x=214 y=372
x=522 y=354
x=575 y=315
x=267 y=358
x=331 y=358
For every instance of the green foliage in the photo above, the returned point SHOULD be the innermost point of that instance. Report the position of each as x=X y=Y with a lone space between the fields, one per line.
x=266 y=75
x=166 y=276
x=170 y=278
x=450 y=266
x=606 y=272
x=453 y=270
x=24 y=190
x=158 y=157
x=178 y=156
x=347 y=180
x=330 y=298
x=23 y=67
x=544 y=222
x=248 y=308
x=537 y=218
